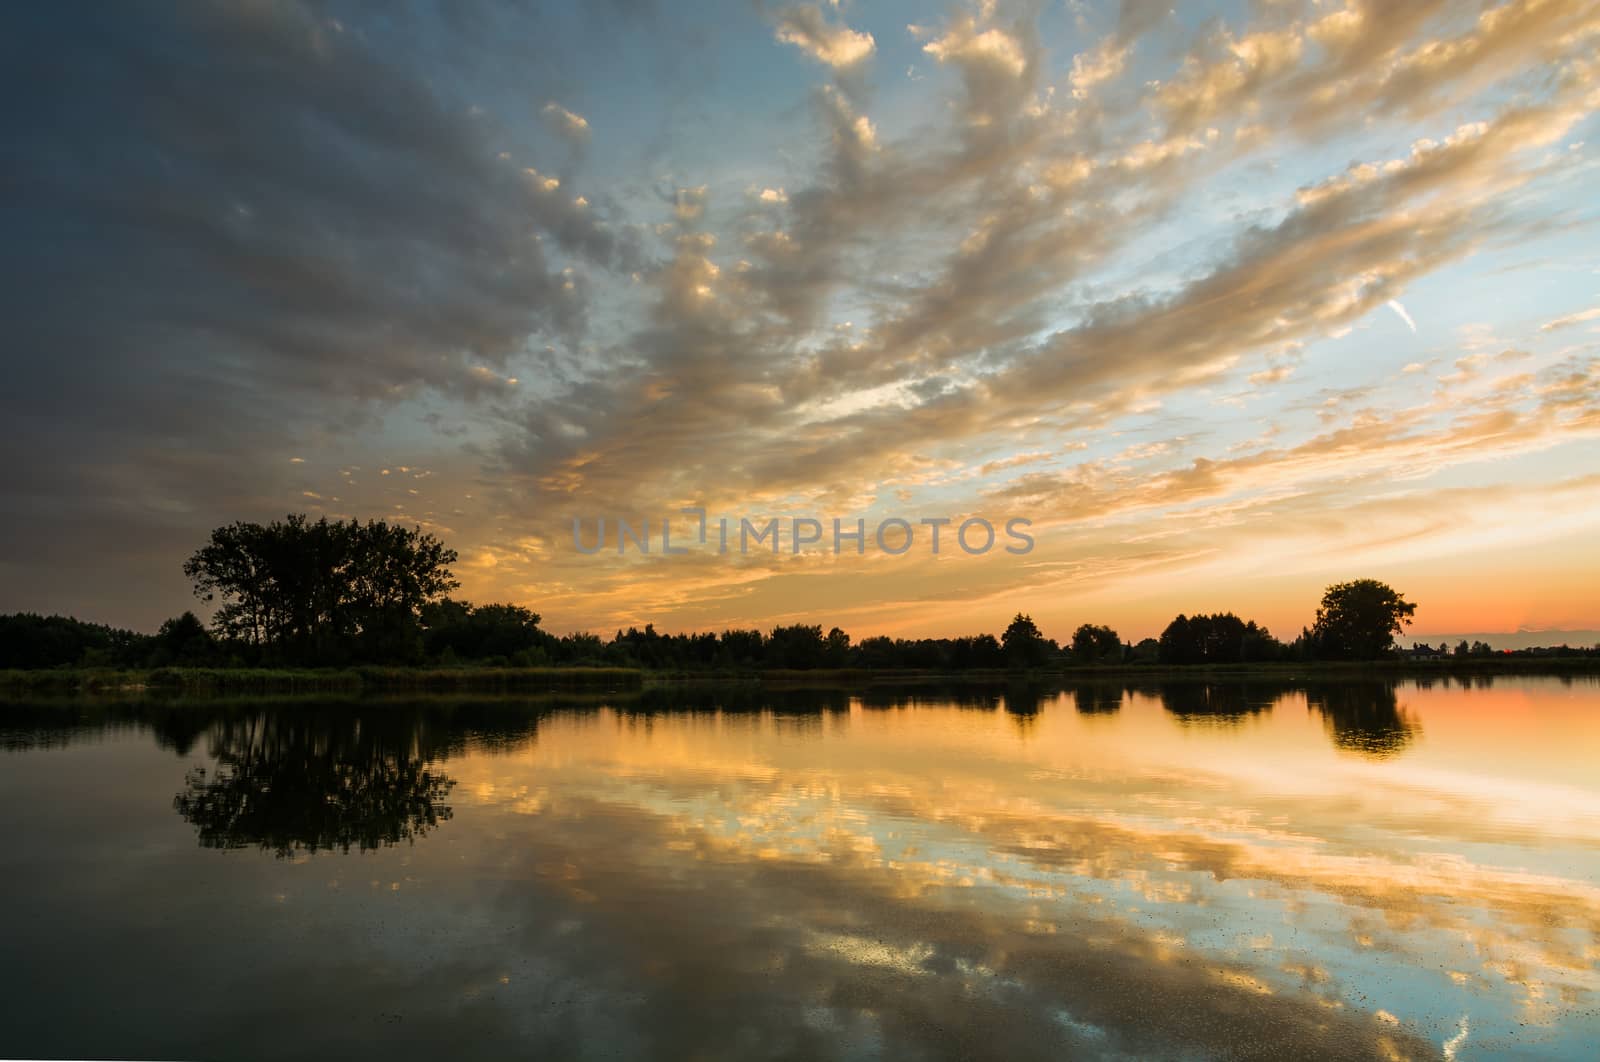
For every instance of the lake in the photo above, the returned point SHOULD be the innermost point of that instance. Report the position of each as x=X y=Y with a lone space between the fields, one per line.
x=1149 y=870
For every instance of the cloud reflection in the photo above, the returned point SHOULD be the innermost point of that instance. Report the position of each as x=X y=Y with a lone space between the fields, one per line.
x=1010 y=873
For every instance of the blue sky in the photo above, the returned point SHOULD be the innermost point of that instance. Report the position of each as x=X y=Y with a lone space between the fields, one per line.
x=1231 y=301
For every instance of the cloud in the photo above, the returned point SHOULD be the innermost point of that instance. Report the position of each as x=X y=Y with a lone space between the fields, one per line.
x=837 y=46
x=1090 y=69
x=243 y=224
x=869 y=301
x=1400 y=312
x=574 y=127
x=1370 y=57
x=789 y=413
x=1276 y=374
x=998 y=68
x=1571 y=319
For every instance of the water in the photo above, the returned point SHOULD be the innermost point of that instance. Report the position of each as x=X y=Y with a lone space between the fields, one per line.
x=1169 y=871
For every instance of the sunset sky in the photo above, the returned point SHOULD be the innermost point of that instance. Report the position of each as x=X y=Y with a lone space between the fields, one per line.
x=1231 y=301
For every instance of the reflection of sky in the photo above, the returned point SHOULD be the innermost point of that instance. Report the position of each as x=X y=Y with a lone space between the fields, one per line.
x=918 y=882
x=1332 y=869
x=1458 y=892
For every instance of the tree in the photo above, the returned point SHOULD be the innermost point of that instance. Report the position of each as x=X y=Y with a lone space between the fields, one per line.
x=1178 y=643
x=1358 y=620
x=1094 y=644
x=470 y=632
x=394 y=571
x=183 y=640
x=1221 y=638
x=1148 y=651
x=878 y=652
x=1023 y=644
x=798 y=646
x=28 y=640
x=981 y=651
x=1257 y=643
x=836 y=648
x=741 y=648
x=320 y=592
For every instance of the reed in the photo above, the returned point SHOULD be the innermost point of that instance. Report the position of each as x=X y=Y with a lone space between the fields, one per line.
x=310 y=680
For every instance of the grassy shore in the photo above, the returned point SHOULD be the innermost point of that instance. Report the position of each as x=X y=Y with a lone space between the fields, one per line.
x=1332 y=669
x=1396 y=667
x=318 y=680
x=489 y=680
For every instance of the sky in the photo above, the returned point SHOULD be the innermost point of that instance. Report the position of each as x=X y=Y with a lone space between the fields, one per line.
x=1228 y=302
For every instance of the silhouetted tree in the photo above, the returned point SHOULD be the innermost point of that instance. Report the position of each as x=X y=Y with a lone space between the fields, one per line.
x=1093 y=644
x=582 y=648
x=320 y=592
x=982 y=651
x=1148 y=651
x=1222 y=638
x=28 y=640
x=183 y=640
x=1178 y=644
x=741 y=648
x=1358 y=620
x=878 y=652
x=798 y=646
x=1023 y=644
x=480 y=632
x=836 y=648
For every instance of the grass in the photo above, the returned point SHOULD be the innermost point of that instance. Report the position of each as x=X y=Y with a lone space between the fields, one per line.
x=314 y=680
x=488 y=680
x=1396 y=667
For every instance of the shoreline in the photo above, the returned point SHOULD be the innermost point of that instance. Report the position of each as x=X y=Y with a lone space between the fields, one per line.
x=360 y=680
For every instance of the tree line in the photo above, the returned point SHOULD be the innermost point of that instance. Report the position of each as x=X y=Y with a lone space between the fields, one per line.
x=295 y=592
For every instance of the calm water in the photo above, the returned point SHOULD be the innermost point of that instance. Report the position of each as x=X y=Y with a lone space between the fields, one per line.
x=1181 y=871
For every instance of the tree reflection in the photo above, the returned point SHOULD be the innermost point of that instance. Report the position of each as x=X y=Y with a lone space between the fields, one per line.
x=1024 y=698
x=1360 y=717
x=288 y=781
x=1097 y=698
x=1363 y=717
x=1216 y=703
x=1022 y=703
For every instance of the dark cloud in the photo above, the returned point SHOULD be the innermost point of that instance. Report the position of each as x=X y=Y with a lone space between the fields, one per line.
x=228 y=227
x=238 y=233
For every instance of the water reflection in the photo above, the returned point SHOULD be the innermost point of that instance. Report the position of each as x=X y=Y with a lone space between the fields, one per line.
x=437 y=726
x=287 y=781
x=1364 y=717
x=1360 y=717
x=1106 y=870
x=1097 y=698
x=1022 y=702
x=1220 y=704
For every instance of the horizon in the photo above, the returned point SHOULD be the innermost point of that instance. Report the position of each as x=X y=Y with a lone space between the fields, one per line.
x=1230 y=301
x=778 y=529
x=1523 y=638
